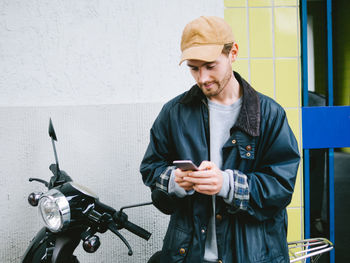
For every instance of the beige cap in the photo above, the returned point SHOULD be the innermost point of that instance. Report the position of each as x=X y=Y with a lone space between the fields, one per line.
x=204 y=38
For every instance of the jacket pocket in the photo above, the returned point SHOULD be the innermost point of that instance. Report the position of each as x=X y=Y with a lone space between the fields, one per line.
x=252 y=243
x=269 y=241
x=176 y=244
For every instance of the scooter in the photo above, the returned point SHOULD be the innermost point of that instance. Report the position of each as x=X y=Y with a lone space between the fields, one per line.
x=72 y=213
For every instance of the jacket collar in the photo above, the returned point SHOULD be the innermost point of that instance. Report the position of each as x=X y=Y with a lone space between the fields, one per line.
x=249 y=117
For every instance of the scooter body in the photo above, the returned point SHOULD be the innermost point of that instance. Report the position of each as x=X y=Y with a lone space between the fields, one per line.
x=57 y=247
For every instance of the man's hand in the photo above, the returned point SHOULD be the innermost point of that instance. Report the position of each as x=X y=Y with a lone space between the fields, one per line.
x=179 y=179
x=208 y=180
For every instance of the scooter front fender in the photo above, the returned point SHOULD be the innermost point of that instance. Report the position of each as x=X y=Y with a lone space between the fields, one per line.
x=64 y=246
x=36 y=247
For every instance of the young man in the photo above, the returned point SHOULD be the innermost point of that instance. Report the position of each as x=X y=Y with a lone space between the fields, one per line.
x=233 y=208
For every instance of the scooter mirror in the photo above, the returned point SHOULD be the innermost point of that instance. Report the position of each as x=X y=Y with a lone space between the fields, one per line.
x=163 y=201
x=57 y=173
x=52 y=133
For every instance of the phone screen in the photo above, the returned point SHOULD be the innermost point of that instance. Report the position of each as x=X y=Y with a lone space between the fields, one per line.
x=185 y=165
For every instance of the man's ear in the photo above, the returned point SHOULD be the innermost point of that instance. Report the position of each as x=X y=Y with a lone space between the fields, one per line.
x=234 y=52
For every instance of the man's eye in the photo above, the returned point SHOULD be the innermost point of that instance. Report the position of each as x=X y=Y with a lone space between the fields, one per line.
x=210 y=66
x=194 y=69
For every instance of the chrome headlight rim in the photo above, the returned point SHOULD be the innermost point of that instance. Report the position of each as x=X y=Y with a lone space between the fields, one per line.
x=60 y=201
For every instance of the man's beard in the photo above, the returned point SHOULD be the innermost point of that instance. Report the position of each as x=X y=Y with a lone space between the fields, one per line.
x=219 y=84
x=212 y=93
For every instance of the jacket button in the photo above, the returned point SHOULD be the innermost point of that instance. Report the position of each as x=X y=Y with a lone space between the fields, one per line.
x=248 y=148
x=218 y=217
x=182 y=251
x=248 y=154
x=219 y=261
x=203 y=231
x=234 y=141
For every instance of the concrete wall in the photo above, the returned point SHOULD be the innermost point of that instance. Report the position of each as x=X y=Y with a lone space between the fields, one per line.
x=101 y=70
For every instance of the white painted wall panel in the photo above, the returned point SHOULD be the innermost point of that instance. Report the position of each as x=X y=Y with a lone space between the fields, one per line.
x=100 y=147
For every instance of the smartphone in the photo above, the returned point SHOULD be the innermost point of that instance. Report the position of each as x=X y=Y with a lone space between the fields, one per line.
x=185 y=165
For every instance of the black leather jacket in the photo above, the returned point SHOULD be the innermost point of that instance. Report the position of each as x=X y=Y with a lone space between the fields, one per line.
x=262 y=146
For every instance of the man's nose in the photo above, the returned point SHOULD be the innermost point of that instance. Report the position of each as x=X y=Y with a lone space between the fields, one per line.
x=203 y=76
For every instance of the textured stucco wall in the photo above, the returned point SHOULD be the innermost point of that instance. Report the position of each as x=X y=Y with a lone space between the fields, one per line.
x=93 y=52
x=101 y=70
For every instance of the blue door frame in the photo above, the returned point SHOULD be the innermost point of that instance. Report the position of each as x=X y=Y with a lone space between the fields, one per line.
x=323 y=127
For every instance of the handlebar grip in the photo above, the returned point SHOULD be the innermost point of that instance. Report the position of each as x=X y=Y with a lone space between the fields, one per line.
x=139 y=231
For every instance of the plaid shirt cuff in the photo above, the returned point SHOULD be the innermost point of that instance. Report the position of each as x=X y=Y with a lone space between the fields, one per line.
x=163 y=180
x=238 y=193
x=241 y=190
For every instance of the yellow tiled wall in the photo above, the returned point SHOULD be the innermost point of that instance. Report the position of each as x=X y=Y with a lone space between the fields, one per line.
x=268 y=36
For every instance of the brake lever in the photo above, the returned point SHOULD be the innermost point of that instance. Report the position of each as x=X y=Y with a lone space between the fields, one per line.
x=112 y=226
x=39 y=180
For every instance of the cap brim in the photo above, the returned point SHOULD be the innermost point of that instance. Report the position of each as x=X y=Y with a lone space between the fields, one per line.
x=206 y=53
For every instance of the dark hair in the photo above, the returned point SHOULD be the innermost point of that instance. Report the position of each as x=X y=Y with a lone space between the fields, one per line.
x=227 y=48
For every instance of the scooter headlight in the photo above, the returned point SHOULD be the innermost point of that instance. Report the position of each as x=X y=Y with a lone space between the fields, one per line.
x=54 y=209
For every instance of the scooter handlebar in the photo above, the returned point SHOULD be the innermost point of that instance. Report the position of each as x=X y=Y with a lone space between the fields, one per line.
x=121 y=219
x=135 y=229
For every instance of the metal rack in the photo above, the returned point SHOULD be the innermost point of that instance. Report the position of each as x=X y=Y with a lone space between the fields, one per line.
x=311 y=248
